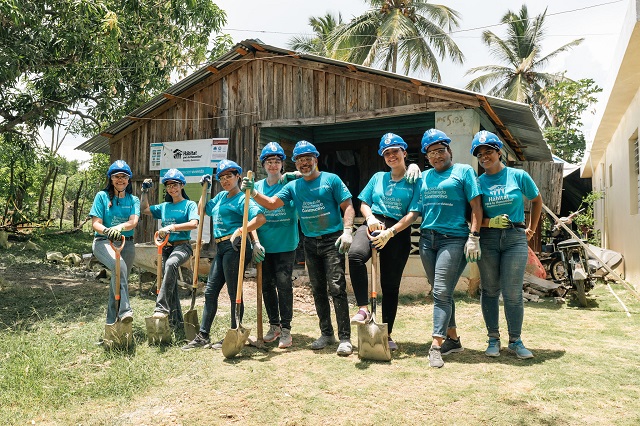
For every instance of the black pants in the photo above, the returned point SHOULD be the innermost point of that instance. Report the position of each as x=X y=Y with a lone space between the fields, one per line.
x=393 y=258
x=277 y=287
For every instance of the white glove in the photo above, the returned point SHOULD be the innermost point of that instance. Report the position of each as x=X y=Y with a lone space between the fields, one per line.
x=206 y=179
x=236 y=239
x=258 y=252
x=413 y=173
x=374 y=224
x=289 y=176
x=472 y=248
x=164 y=231
x=344 y=242
x=248 y=183
x=500 y=222
x=382 y=238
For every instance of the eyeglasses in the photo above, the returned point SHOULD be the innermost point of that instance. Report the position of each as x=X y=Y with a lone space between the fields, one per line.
x=305 y=159
x=486 y=153
x=436 y=152
x=121 y=176
x=225 y=178
x=172 y=185
x=273 y=162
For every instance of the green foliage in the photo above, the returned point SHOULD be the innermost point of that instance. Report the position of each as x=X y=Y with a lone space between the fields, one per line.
x=520 y=76
x=323 y=43
x=566 y=101
x=586 y=219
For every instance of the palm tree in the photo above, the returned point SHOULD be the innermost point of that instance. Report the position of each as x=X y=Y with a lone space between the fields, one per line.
x=522 y=79
x=409 y=33
x=322 y=44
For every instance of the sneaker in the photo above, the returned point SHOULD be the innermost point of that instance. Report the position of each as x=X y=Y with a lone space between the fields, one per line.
x=217 y=345
x=159 y=315
x=361 y=317
x=198 y=342
x=392 y=345
x=518 y=348
x=323 y=341
x=127 y=318
x=494 y=347
x=273 y=333
x=285 y=339
x=435 y=357
x=345 y=348
x=450 y=346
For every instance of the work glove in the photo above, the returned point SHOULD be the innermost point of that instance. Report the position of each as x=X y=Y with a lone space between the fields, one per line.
x=248 y=183
x=472 y=248
x=236 y=239
x=500 y=222
x=164 y=231
x=258 y=252
x=413 y=173
x=207 y=179
x=289 y=176
x=146 y=185
x=343 y=243
x=382 y=237
x=114 y=233
x=374 y=224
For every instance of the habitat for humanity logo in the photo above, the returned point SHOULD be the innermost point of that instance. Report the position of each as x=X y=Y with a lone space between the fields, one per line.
x=186 y=156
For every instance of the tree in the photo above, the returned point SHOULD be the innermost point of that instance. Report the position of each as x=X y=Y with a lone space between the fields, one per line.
x=411 y=34
x=565 y=102
x=322 y=44
x=522 y=78
x=94 y=59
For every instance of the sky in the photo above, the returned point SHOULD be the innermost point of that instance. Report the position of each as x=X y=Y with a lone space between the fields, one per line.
x=274 y=22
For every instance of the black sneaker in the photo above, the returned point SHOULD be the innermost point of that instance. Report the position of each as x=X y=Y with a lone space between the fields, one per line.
x=199 y=342
x=450 y=346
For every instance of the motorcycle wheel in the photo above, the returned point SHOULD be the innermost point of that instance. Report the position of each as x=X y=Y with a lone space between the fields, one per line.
x=557 y=270
x=580 y=291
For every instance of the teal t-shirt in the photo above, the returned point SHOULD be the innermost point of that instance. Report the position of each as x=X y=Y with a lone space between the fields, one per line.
x=119 y=211
x=227 y=212
x=280 y=233
x=444 y=197
x=317 y=202
x=503 y=193
x=391 y=198
x=171 y=214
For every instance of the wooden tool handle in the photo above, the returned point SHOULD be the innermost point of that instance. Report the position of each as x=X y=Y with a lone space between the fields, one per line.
x=243 y=241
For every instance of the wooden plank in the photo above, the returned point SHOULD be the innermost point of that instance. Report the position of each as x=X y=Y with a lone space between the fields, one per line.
x=289 y=103
x=363 y=96
x=376 y=96
x=297 y=92
x=258 y=90
x=352 y=95
x=308 y=93
x=319 y=90
x=463 y=98
x=269 y=93
x=330 y=90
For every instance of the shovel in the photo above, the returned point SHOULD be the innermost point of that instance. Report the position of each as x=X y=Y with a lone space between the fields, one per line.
x=373 y=338
x=118 y=334
x=259 y=341
x=191 y=323
x=158 y=330
x=235 y=339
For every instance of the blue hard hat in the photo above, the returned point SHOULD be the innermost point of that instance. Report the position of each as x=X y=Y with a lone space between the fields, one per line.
x=174 y=174
x=391 y=140
x=304 y=148
x=119 y=166
x=226 y=165
x=485 y=138
x=272 y=148
x=432 y=136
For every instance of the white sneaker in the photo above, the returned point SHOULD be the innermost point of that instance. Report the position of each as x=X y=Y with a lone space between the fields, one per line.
x=285 y=339
x=345 y=348
x=159 y=315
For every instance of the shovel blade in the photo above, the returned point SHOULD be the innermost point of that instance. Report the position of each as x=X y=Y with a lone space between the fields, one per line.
x=158 y=330
x=234 y=341
x=373 y=342
x=118 y=335
x=191 y=324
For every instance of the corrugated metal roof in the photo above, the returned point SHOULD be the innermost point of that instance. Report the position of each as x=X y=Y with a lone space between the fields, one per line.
x=516 y=117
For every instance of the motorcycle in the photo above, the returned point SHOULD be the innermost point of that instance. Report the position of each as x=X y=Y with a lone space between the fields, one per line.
x=568 y=262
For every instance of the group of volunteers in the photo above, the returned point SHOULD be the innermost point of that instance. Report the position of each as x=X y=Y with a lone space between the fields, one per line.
x=465 y=218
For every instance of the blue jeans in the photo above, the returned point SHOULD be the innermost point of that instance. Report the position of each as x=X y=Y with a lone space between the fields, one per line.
x=326 y=276
x=224 y=269
x=104 y=253
x=168 y=300
x=504 y=258
x=277 y=287
x=393 y=258
x=443 y=261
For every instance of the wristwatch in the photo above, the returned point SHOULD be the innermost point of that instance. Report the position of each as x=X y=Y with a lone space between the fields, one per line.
x=475 y=233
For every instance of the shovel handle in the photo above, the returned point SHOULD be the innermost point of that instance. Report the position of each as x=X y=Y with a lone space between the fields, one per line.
x=243 y=241
x=160 y=242
x=117 y=250
x=196 y=259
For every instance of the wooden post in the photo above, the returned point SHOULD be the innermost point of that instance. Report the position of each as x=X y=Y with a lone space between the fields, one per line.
x=76 y=215
x=64 y=190
x=53 y=185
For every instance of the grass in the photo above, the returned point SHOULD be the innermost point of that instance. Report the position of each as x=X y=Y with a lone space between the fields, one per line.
x=52 y=373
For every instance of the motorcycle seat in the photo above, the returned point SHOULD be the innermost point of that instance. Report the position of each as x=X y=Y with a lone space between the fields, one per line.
x=569 y=243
